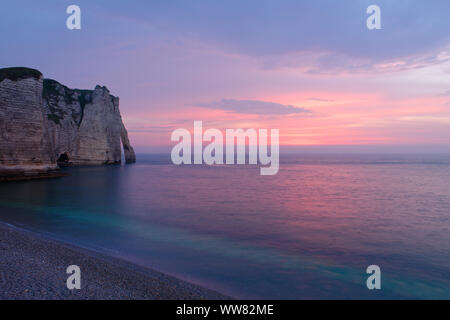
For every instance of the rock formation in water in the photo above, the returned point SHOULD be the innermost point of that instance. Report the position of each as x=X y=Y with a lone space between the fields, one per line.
x=44 y=124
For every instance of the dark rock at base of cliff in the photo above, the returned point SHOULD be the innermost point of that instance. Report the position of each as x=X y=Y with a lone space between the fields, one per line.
x=21 y=176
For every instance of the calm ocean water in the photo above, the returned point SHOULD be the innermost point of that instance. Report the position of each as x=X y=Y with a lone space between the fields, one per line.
x=308 y=232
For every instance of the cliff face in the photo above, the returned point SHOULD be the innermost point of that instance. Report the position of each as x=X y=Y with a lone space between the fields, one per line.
x=43 y=123
x=24 y=143
x=85 y=126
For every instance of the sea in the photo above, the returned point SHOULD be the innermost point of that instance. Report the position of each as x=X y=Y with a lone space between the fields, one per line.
x=308 y=232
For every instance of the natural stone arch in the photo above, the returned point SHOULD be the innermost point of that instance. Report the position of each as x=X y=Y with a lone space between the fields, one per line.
x=64 y=159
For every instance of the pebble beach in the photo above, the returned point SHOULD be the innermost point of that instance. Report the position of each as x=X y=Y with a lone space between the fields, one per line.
x=33 y=266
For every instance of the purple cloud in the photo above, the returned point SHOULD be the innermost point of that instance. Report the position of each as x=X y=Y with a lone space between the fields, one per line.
x=253 y=107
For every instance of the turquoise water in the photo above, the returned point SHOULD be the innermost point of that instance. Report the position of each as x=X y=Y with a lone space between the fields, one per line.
x=308 y=232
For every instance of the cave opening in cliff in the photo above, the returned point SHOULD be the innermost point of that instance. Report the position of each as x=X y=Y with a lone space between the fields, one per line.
x=63 y=160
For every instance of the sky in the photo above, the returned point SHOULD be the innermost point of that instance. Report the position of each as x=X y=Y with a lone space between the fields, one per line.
x=309 y=68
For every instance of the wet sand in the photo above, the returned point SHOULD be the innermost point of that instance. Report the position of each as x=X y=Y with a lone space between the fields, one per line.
x=34 y=267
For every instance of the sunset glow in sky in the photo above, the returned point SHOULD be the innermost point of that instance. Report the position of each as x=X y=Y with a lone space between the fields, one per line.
x=310 y=68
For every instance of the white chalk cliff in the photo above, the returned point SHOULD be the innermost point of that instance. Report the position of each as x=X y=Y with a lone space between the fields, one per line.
x=44 y=124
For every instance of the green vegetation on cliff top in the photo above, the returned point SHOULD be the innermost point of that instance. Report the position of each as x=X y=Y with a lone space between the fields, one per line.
x=52 y=89
x=17 y=73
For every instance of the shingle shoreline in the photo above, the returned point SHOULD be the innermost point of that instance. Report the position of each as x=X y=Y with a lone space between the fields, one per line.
x=33 y=266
